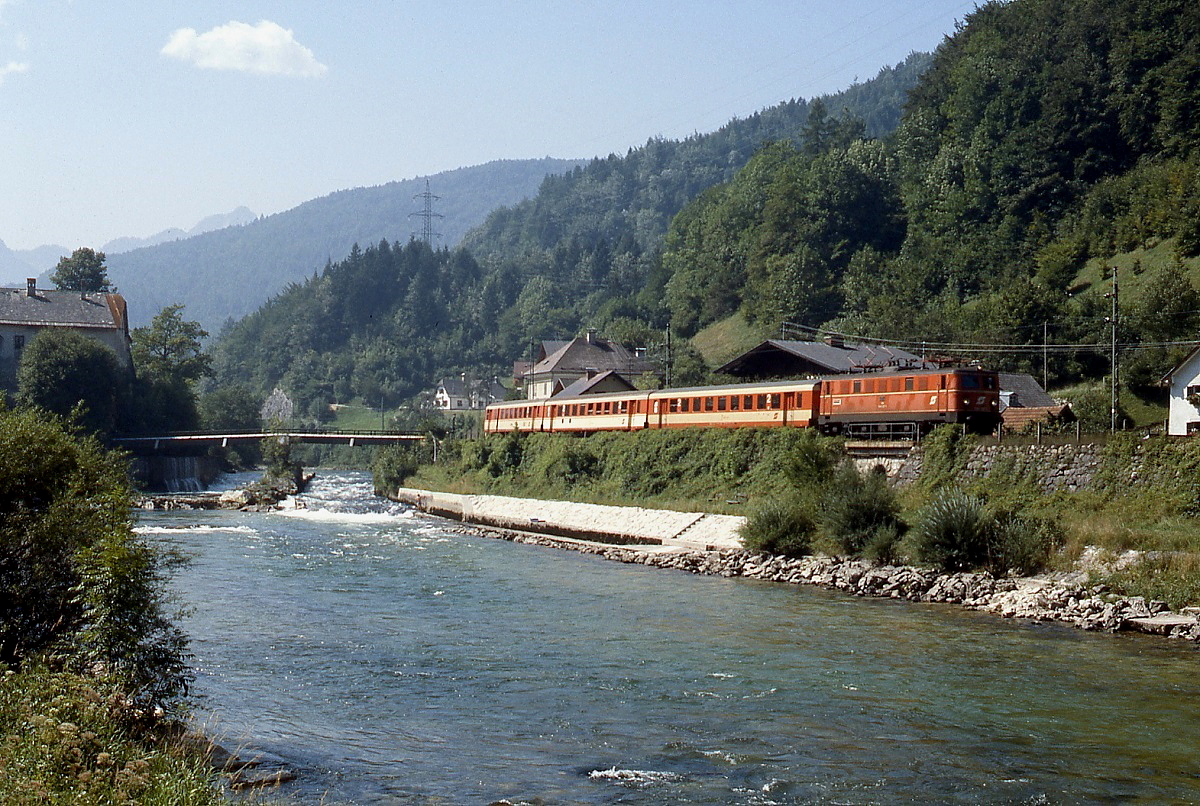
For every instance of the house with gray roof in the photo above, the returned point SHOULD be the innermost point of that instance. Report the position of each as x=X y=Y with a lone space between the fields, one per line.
x=584 y=357
x=463 y=392
x=26 y=312
x=781 y=358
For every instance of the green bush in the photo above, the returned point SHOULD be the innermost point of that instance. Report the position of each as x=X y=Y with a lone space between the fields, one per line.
x=952 y=532
x=860 y=513
x=780 y=527
x=392 y=467
x=1022 y=543
x=958 y=532
x=76 y=584
x=506 y=458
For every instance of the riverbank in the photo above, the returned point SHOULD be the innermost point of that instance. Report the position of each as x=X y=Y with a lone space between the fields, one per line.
x=701 y=543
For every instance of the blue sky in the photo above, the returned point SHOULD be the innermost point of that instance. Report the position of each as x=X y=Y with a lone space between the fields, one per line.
x=131 y=117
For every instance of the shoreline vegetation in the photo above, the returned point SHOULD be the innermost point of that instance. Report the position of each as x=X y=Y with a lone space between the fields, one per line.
x=94 y=672
x=1130 y=530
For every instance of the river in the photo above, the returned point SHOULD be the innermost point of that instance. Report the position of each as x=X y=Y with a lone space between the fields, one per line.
x=390 y=661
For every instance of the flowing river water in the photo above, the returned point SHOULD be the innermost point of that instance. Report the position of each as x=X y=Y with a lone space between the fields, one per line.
x=388 y=660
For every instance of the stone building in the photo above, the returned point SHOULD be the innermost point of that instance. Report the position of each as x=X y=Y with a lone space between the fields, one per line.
x=25 y=312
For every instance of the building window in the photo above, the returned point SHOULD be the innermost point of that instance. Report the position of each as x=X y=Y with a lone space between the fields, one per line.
x=18 y=343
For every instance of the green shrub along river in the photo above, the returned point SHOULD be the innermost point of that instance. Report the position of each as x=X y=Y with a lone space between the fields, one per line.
x=92 y=668
x=802 y=496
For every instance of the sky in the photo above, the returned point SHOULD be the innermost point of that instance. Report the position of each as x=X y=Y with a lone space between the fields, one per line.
x=128 y=118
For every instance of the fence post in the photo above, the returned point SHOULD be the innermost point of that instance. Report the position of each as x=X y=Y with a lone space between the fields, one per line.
x=1038 y=428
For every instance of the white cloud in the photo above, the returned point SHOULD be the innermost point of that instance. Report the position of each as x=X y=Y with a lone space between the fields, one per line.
x=12 y=67
x=265 y=48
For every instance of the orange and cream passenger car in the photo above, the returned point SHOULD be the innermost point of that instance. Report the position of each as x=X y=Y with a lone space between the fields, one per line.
x=893 y=404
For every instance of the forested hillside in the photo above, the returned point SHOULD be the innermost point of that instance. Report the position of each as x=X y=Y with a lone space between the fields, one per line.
x=229 y=273
x=1047 y=142
x=1047 y=134
x=391 y=318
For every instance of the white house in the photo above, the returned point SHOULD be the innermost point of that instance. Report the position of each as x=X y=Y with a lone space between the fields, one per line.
x=462 y=393
x=1184 y=383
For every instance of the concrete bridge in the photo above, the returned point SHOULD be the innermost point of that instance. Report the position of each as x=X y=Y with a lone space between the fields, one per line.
x=183 y=442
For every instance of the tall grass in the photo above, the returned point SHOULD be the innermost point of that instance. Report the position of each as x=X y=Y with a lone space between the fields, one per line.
x=68 y=739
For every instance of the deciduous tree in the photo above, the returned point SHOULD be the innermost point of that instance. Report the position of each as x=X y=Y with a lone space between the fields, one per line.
x=83 y=271
x=61 y=370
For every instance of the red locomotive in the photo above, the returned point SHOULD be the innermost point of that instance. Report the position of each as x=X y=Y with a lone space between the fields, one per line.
x=892 y=405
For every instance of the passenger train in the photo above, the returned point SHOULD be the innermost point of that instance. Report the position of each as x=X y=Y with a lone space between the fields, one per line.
x=885 y=405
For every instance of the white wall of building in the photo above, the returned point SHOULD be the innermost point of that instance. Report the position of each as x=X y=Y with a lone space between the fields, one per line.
x=1183 y=417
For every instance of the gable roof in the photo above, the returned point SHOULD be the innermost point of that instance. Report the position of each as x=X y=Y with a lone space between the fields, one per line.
x=614 y=381
x=453 y=387
x=785 y=357
x=62 y=309
x=1187 y=359
x=582 y=354
x=1029 y=392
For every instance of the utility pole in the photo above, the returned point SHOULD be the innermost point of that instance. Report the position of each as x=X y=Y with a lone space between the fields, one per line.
x=670 y=357
x=1045 y=355
x=427 y=215
x=1114 y=296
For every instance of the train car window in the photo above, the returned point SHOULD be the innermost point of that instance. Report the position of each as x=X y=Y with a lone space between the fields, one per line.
x=747 y=402
x=673 y=406
x=762 y=402
x=989 y=381
x=624 y=406
x=770 y=401
x=857 y=387
x=722 y=403
x=970 y=381
x=943 y=386
x=656 y=405
x=708 y=404
x=909 y=384
x=734 y=402
x=608 y=407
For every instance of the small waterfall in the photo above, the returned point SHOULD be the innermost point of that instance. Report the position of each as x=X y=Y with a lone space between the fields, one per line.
x=174 y=474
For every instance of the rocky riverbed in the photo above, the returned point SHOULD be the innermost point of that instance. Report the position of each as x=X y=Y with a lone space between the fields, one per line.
x=1064 y=598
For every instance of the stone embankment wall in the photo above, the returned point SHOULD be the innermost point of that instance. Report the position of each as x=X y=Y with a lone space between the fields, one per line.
x=1055 y=467
x=609 y=524
x=1066 y=599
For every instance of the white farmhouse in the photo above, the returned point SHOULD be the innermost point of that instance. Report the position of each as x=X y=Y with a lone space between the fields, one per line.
x=1184 y=384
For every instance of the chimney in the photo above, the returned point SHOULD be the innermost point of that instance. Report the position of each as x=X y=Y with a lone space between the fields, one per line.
x=835 y=340
x=31 y=287
x=591 y=335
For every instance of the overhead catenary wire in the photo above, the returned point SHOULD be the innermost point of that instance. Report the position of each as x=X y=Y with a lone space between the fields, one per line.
x=975 y=348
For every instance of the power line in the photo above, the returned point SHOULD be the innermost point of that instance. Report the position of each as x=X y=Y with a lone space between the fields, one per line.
x=973 y=348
